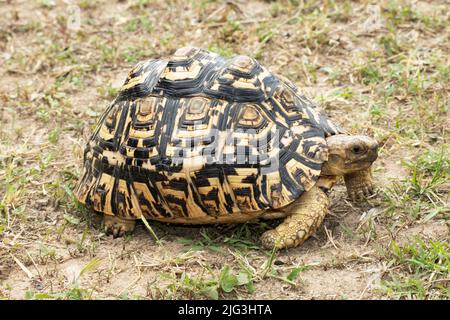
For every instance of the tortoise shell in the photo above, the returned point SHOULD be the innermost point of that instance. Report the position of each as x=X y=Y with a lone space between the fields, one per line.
x=196 y=136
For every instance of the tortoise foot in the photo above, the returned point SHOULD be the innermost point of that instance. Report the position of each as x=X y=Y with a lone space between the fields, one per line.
x=272 y=239
x=307 y=213
x=359 y=185
x=118 y=227
x=269 y=239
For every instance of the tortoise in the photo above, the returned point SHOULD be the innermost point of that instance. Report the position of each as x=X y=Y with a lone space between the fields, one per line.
x=197 y=138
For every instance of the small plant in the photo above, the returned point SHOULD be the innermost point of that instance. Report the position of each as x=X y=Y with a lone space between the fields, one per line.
x=370 y=74
x=241 y=237
x=419 y=270
x=390 y=45
x=228 y=281
x=421 y=195
x=142 y=23
x=70 y=294
x=53 y=136
x=212 y=287
x=222 y=50
x=74 y=292
x=108 y=91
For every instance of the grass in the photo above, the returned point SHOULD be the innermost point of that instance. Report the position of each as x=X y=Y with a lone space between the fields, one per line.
x=242 y=237
x=74 y=292
x=424 y=194
x=380 y=69
x=221 y=284
x=422 y=270
x=226 y=282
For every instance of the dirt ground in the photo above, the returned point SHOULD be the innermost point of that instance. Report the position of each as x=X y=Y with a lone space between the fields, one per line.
x=378 y=68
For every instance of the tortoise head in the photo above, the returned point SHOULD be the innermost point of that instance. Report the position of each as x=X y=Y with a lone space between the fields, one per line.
x=348 y=154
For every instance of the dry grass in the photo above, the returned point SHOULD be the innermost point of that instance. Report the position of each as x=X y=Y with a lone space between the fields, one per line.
x=380 y=69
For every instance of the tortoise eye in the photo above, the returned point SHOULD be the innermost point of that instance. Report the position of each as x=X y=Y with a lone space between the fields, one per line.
x=357 y=150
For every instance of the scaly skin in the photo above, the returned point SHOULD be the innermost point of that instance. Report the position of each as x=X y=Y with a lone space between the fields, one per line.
x=359 y=184
x=308 y=214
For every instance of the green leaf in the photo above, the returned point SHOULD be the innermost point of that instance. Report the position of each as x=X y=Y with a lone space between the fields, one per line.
x=91 y=265
x=250 y=287
x=294 y=274
x=29 y=295
x=124 y=295
x=227 y=280
x=211 y=292
x=53 y=136
x=185 y=278
x=42 y=296
x=71 y=219
x=243 y=278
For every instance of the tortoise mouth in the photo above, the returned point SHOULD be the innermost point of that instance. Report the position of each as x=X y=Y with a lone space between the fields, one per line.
x=373 y=155
x=369 y=157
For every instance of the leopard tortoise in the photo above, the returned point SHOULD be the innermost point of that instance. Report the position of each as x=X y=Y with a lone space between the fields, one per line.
x=200 y=139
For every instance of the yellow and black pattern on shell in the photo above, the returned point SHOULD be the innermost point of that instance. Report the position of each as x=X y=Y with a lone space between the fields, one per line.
x=197 y=136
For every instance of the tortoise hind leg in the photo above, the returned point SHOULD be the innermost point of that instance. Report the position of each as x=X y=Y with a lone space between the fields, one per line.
x=118 y=226
x=308 y=213
x=125 y=220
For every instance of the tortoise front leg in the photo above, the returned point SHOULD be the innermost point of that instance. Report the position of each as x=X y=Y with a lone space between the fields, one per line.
x=359 y=184
x=118 y=226
x=308 y=213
